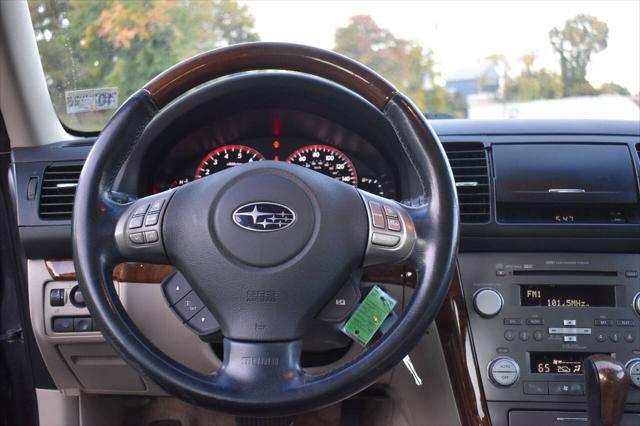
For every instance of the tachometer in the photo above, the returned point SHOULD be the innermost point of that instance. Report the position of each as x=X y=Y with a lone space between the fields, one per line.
x=326 y=160
x=224 y=157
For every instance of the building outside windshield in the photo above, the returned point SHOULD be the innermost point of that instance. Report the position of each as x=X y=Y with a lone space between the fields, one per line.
x=488 y=60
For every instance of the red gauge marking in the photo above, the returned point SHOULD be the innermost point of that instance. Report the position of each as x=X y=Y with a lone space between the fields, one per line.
x=326 y=160
x=224 y=157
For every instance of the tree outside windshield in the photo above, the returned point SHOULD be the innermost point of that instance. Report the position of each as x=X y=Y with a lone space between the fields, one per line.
x=97 y=53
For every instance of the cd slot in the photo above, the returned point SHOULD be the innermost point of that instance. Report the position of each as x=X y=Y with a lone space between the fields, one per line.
x=575 y=273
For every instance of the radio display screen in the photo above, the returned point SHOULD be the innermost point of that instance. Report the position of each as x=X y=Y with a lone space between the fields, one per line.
x=574 y=296
x=557 y=362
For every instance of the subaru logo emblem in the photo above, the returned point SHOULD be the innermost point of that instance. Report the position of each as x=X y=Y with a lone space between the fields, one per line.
x=264 y=217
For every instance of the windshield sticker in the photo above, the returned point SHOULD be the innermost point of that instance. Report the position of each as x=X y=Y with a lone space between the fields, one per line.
x=91 y=99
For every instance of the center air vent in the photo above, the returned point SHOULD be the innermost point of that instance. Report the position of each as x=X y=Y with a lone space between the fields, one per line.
x=59 y=184
x=469 y=164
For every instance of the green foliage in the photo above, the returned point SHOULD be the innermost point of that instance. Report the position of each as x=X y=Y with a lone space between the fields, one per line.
x=405 y=63
x=87 y=44
x=581 y=37
x=614 y=88
x=533 y=84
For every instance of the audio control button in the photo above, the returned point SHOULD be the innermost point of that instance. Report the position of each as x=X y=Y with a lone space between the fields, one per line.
x=509 y=335
x=524 y=335
x=601 y=337
x=614 y=336
x=487 y=302
x=538 y=335
x=535 y=321
x=628 y=337
x=603 y=322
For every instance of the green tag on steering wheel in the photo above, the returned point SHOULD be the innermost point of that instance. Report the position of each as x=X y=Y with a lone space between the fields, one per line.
x=369 y=316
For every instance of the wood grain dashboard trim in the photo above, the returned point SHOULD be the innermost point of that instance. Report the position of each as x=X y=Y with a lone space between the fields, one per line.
x=63 y=270
x=455 y=336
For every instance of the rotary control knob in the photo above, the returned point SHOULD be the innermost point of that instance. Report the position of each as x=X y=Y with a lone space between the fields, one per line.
x=504 y=371
x=487 y=302
x=633 y=368
x=636 y=304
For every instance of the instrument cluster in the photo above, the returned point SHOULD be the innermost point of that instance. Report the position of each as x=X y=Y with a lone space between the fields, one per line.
x=350 y=159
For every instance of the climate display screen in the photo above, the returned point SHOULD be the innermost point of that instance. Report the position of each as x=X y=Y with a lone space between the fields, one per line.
x=574 y=296
x=557 y=362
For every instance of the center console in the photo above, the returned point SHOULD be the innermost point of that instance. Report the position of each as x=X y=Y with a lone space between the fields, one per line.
x=535 y=317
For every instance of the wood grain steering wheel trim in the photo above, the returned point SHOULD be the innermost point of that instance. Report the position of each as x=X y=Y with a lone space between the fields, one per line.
x=238 y=58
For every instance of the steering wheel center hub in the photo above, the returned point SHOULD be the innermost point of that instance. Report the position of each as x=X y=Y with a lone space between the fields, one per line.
x=264 y=218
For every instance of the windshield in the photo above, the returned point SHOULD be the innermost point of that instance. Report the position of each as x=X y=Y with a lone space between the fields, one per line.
x=489 y=60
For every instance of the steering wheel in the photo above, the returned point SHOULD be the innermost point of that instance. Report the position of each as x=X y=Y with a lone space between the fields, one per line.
x=280 y=231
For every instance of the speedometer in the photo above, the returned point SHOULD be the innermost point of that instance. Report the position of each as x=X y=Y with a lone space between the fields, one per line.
x=326 y=160
x=224 y=157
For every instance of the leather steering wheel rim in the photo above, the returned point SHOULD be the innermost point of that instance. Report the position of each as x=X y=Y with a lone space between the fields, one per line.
x=98 y=211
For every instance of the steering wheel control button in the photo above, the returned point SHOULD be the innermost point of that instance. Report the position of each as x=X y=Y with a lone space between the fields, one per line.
x=377 y=217
x=390 y=212
x=204 y=323
x=137 y=238
x=63 y=325
x=151 y=219
x=136 y=222
x=342 y=304
x=82 y=324
x=188 y=306
x=56 y=297
x=151 y=236
x=487 y=302
x=156 y=206
x=504 y=371
x=394 y=225
x=384 y=240
x=141 y=210
x=175 y=287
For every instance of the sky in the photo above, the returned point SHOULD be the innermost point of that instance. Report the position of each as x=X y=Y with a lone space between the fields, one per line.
x=461 y=33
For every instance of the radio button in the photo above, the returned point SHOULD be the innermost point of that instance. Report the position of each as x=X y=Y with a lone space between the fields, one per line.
x=512 y=321
x=524 y=335
x=569 y=322
x=487 y=302
x=614 y=336
x=570 y=339
x=509 y=335
x=538 y=335
x=629 y=337
x=535 y=321
x=625 y=323
x=603 y=322
x=536 y=388
x=631 y=274
x=601 y=337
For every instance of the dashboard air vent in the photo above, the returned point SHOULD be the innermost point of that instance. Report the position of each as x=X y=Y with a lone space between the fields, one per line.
x=469 y=164
x=59 y=184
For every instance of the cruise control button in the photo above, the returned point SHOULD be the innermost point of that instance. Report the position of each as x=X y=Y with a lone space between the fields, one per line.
x=390 y=212
x=156 y=206
x=188 y=306
x=151 y=236
x=136 y=222
x=175 y=287
x=137 y=238
x=204 y=323
x=384 y=239
x=377 y=217
x=141 y=210
x=394 y=225
x=151 y=219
